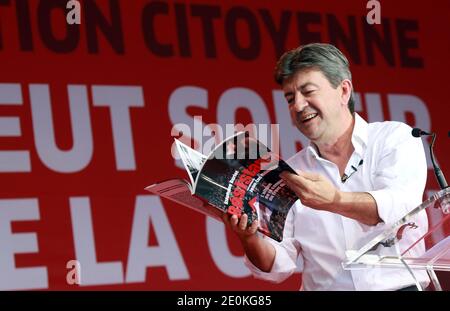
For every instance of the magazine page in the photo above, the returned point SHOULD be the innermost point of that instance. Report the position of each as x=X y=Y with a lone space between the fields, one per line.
x=192 y=159
x=274 y=199
x=178 y=190
x=239 y=182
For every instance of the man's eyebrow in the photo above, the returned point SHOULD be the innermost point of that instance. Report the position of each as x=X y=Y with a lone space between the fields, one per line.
x=288 y=94
x=302 y=87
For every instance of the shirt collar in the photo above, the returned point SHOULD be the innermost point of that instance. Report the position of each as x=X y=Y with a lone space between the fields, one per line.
x=359 y=138
x=360 y=135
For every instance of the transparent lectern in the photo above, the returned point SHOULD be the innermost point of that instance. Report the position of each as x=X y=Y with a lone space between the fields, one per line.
x=436 y=239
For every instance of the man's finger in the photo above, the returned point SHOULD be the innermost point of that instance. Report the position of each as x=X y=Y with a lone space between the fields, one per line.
x=309 y=175
x=243 y=222
x=234 y=221
x=286 y=176
x=252 y=229
x=283 y=174
x=297 y=181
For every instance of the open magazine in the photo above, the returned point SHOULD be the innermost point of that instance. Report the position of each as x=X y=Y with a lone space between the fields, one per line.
x=241 y=175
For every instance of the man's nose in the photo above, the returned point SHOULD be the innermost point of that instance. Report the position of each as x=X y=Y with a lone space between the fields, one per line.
x=299 y=103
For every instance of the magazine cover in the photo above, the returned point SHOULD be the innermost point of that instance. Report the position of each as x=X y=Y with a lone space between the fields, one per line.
x=240 y=175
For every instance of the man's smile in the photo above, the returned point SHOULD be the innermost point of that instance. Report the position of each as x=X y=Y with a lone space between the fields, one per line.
x=307 y=117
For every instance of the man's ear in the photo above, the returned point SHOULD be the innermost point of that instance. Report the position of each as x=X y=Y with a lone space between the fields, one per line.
x=347 y=87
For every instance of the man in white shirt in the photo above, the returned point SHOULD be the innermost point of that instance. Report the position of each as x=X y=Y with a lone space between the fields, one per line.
x=354 y=180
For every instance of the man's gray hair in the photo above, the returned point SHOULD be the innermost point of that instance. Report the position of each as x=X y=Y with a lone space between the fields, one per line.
x=324 y=57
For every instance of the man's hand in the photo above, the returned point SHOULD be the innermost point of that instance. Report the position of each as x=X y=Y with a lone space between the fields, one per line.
x=313 y=190
x=239 y=226
x=317 y=192
x=260 y=252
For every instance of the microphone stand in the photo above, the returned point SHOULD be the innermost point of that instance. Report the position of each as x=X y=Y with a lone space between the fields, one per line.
x=437 y=170
x=417 y=132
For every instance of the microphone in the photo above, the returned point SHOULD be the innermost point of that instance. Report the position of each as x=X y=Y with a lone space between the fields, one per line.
x=417 y=132
x=355 y=169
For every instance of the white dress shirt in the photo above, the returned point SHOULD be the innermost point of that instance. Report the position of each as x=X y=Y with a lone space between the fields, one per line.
x=394 y=172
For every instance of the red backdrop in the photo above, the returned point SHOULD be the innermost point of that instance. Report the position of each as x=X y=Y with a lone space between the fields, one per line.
x=86 y=113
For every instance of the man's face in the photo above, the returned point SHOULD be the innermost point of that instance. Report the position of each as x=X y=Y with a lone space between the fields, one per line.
x=316 y=107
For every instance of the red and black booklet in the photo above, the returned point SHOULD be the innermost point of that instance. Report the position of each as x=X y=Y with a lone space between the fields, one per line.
x=241 y=175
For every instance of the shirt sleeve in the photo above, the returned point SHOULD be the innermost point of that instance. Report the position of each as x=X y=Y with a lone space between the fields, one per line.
x=400 y=173
x=286 y=254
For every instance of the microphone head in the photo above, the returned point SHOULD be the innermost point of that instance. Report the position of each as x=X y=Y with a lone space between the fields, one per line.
x=416 y=132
